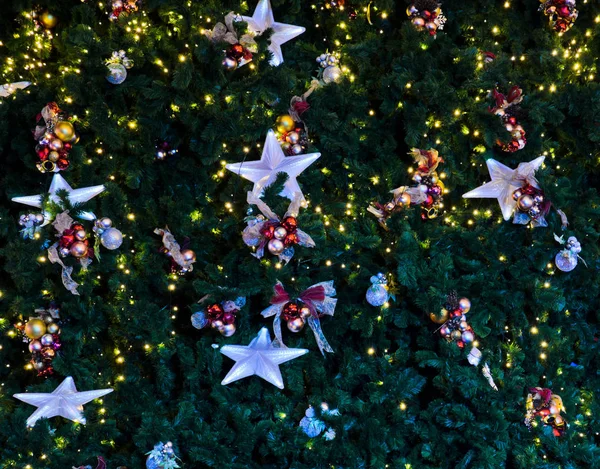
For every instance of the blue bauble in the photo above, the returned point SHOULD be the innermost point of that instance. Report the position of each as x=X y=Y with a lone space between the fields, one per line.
x=377 y=295
x=116 y=74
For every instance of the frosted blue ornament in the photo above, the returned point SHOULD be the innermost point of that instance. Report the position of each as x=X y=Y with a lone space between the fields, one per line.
x=377 y=294
x=311 y=425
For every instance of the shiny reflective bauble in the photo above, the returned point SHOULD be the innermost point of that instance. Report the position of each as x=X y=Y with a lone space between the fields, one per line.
x=55 y=144
x=285 y=124
x=189 y=256
x=431 y=26
x=111 y=238
x=49 y=353
x=104 y=223
x=468 y=337
x=464 y=304
x=332 y=74
x=117 y=73
x=53 y=156
x=48 y=20
x=280 y=232
x=565 y=261
x=296 y=324
x=39 y=218
x=78 y=249
x=304 y=312
x=53 y=328
x=538 y=199
x=47 y=340
x=35 y=328
x=403 y=199
x=292 y=137
x=230 y=63
x=38 y=366
x=525 y=202
x=35 y=346
x=228 y=330
x=63 y=252
x=441 y=317
x=80 y=235
x=275 y=246
x=463 y=326
x=217 y=324
x=456 y=335
x=411 y=10
x=64 y=130
x=418 y=22
x=517 y=194
x=297 y=149
x=535 y=211
x=377 y=295
x=445 y=331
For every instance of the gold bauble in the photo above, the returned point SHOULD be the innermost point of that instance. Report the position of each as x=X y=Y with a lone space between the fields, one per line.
x=64 y=130
x=53 y=156
x=441 y=317
x=48 y=20
x=35 y=328
x=285 y=124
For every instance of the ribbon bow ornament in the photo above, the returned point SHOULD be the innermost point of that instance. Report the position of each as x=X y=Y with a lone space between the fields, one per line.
x=313 y=303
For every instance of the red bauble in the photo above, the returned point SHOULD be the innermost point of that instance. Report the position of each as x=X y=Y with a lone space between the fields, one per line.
x=268 y=232
x=62 y=163
x=556 y=432
x=66 y=240
x=428 y=201
x=457 y=313
x=512 y=120
x=214 y=311
x=460 y=344
x=564 y=11
x=513 y=146
x=42 y=153
x=236 y=51
x=228 y=318
x=426 y=14
x=291 y=238
x=290 y=311
x=290 y=224
x=77 y=227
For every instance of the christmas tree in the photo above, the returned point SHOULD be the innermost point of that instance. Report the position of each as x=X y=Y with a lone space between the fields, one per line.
x=169 y=105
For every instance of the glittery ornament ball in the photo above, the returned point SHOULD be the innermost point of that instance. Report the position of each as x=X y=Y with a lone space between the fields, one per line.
x=565 y=261
x=332 y=74
x=116 y=73
x=377 y=295
x=111 y=239
x=153 y=463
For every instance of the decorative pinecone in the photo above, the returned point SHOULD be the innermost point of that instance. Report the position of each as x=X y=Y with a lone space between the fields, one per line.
x=452 y=301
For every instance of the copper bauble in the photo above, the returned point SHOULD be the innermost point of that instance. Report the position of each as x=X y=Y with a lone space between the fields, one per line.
x=464 y=304
x=78 y=249
x=35 y=346
x=275 y=247
x=188 y=255
x=55 y=144
x=296 y=324
x=525 y=202
x=280 y=232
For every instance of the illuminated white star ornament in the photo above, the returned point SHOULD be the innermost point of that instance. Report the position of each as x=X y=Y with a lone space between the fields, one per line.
x=9 y=88
x=76 y=196
x=65 y=401
x=259 y=358
x=264 y=171
x=282 y=33
x=505 y=181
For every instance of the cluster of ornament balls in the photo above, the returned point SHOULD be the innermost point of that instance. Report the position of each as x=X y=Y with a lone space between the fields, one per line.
x=53 y=147
x=510 y=120
x=295 y=316
x=531 y=201
x=44 y=342
x=331 y=71
x=541 y=402
x=455 y=327
x=120 y=7
x=164 y=150
x=291 y=135
x=562 y=13
x=221 y=317
x=341 y=5
x=426 y=14
x=74 y=241
x=236 y=55
x=281 y=234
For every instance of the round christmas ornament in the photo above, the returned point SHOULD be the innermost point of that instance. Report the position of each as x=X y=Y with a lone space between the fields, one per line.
x=123 y=8
x=48 y=20
x=561 y=13
x=508 y=109
x=241 y=50
x=55 y=136
x=110 y=237
x=117 y=66
x=427 y=15
x=542 y=404
x=278 y=236
x=428 y=191
x=181 y=257
x=220 y=316
x=378 y=293
x=329 y=71
x=566 y=259
x=162 y=457
x=32 y=224
x=311 y=305
x=313 y=426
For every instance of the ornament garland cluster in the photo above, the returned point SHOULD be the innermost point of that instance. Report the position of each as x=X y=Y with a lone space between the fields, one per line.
x=55 y=136
x=508 y=109
x=427 y=15
x=219 y=316
x=42 y=333
x=546 y=406
x=561 y=13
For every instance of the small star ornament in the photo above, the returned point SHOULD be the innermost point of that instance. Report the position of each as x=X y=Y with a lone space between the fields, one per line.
x=76 y=196
x=505 y=181
x=273 y=161
x=64 y=401
x=282 y=33
x=259 y=358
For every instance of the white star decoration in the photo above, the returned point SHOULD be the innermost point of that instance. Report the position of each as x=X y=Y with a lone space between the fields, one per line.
x=504 y=182
x=282 y=33
x=64 y=401
x=259 y=358
x=76 y=196
x=264 y=171
x=9 y=88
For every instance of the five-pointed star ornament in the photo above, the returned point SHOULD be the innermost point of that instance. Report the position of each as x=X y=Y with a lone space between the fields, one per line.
x=282 y=33
x=264 y=171
x=259 y=358
x=76 y=196
x=505 y=181
x=64 y=401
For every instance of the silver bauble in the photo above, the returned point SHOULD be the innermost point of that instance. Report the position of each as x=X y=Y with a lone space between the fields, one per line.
x=467 y=337
x=39 y=218
x=464 y=304
x=463 y=326
x=228 y=330
x=275 y=247
x=80 y=235
x=293 y=137
x=116 y=74
x=217 y=324
x=47 y=340
x=525 y=202
x=39 y=366
x=377 y=295
x=297 y=149
x=104 y=223
x=53 y=328
x=305 y=312
x=189 y=256
x=111 y=238
x=280 y=232
x=55 y=144
x=230 y=63
x=35 y=346
x=78 y=249
x=63 y=252
x=332 y=74
x=565 y=261
x=296 y=324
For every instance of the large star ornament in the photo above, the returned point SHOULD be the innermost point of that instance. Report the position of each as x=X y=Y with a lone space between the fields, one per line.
x=264 y=171
x=259 y=358
x=76 y=196
x=282 y=33
x=504 y=182
x=64 y=401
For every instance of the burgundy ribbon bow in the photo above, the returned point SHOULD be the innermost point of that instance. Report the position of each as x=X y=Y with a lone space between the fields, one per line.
x=308 y=297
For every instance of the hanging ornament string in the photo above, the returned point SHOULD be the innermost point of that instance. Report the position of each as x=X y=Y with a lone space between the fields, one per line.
x=317 y=301
x=507 y=108
x=181 y=258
